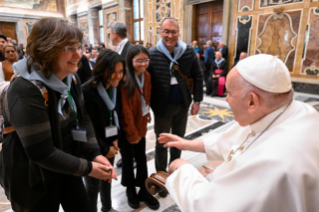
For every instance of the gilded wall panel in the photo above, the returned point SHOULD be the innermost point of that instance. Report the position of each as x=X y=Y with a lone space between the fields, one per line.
x=47 y=5
x=156 y=11
x=150 y=13
x=74 y=21
x=162 y=9
x=83 y=25
x=243 y=36
x=110 y=17
x=245 y=5
x=27 y=26
x=277 y=35
x=96 y=28
x=275 y=3
x=310 y=61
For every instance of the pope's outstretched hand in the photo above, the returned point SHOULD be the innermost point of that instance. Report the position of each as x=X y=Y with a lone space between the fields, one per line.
x=170 y=140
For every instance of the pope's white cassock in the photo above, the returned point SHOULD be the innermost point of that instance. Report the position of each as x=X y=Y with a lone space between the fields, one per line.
x=279 y=172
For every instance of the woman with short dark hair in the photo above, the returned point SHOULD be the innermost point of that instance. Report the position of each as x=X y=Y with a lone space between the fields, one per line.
x=103 y=102
x=48 y=127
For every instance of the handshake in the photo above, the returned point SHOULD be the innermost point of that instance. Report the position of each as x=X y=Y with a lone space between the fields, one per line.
x=102 y=169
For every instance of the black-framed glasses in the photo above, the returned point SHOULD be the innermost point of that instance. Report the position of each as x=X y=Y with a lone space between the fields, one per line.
x=140 y=61
x=71 y=49
x=167 y=32
x=10 y=51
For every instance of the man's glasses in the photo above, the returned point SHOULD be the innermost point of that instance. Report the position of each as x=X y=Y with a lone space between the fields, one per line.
x=71 y=49
x=173 y=32
x=140 y=61
x=8 y=52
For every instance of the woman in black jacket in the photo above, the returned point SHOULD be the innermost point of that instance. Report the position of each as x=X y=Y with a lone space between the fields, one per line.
x=102 y=100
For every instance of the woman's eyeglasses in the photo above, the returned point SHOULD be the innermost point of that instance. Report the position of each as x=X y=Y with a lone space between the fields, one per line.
x=140 y=61
x=71 y=49
x=8 y=52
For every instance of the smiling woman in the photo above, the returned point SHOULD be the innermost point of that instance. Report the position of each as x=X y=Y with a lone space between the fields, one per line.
x=39 y=163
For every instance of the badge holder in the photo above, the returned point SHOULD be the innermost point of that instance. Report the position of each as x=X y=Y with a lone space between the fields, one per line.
x=78 y=134
x=111 y=131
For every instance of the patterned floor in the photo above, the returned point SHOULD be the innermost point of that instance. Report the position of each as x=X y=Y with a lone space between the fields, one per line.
x=214 y=114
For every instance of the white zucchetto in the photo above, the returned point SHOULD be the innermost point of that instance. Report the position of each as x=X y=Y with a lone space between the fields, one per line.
x=266 y=72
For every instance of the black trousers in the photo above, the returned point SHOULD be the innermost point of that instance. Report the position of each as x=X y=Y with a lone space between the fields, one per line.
x=128 y=151
x=207 y=73
x=69 y=192
x=174 y=121
x=93 y=187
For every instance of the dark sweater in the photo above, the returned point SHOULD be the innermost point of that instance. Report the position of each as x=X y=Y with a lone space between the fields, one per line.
x=159 y=69
x=100 y=115
x=42 y=145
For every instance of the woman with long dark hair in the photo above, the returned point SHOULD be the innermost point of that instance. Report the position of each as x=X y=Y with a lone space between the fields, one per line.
x=102 y=100
x=136 y=96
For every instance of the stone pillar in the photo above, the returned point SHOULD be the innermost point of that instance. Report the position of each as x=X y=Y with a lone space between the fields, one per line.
x=227 y=17
x=90 y=25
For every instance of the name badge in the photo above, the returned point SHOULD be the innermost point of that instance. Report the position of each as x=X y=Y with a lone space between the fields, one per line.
x=110 y=131
x=79 y=134
x=174 y=80
x=146 y=110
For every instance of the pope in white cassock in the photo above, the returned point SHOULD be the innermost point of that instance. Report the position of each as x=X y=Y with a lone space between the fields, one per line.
x=271 y=154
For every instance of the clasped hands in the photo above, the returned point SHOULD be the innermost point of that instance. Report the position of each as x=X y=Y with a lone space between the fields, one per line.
x=101 y=167
x=215 y=76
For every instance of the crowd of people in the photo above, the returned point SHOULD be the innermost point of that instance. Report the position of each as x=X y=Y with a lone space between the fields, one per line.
x=70 y=109
x=214 y=65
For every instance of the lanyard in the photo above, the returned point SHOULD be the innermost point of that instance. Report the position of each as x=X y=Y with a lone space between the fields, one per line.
x=111 y=114
x=73 y=108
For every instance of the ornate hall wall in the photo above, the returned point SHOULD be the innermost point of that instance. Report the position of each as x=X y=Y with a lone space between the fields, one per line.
x=286 y=28
x=25 y=13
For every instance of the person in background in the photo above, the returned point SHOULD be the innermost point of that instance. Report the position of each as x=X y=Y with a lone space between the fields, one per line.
x=196 y=47
x=242 y=56
x=9 y=39
x=41 y=166
x=136 y=96
x=3 y=42
x=223 y=49
x=11 y=55
x=209 y=57
x=103 y=103
x=171 y=96
x=216 y=81
x=93 y=55
x=85 y=70
x=22 y=49
x=119 y=38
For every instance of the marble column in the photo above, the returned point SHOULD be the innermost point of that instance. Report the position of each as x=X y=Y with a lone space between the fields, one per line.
x=90 y=26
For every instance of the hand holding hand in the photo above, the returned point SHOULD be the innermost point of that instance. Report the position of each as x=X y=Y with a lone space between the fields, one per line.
x=101 y=171
x=104 y=161
x=172 y=141
x=176 y=164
